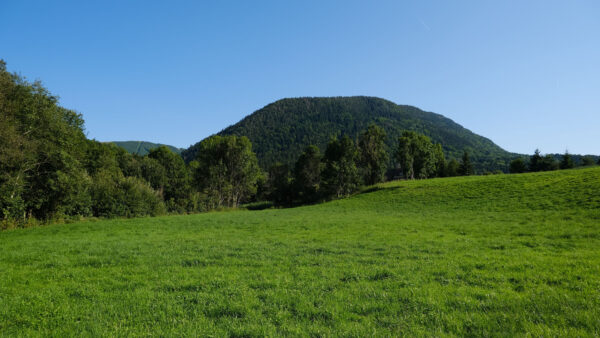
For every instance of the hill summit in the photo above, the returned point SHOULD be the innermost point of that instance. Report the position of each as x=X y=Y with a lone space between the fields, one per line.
x=281 y=130
x=142 y=147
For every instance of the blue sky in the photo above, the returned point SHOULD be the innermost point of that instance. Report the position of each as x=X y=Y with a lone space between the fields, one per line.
x=525 y=74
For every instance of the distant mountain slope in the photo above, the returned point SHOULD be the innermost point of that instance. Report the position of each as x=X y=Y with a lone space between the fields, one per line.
x=142 y=147
x=281 y=130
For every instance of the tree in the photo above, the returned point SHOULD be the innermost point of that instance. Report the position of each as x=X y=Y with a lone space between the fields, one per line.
x=465 y=168
x=115 y=195
x=416 y=155
x=49 y=170
x=340 y=176
x=535 y=162
x=278 y=184
x=440 y=160
x=40 y=164
x=16 y=161
x=542 y=163
x=307 y=174
x=154 y=173
x=517 y=166
x=452 y=168
x=227 y=170
x=373 y=157
x=587 y=161
x=548 y=163
x=175 y=187
x=567 y=161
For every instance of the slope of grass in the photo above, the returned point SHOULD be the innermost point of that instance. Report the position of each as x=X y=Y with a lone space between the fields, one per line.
x=496 y=255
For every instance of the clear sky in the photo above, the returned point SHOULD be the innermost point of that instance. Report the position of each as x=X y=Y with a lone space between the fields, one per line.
x=525 y=74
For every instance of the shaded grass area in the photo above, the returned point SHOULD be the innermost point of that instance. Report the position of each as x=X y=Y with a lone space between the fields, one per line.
x=494 y=255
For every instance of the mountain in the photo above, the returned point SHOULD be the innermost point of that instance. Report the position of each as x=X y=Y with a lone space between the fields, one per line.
x=281 y=130
x=143 y=147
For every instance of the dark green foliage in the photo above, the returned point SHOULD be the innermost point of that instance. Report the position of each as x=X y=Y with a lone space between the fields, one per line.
x=154 y=173
x=307 y=174
x=280 y=131
x=538 y=162
x=535 y=162
x=49 y=170
x=143 y=148
x=174 y=183
x=517 y=166
x=416 y=156
x=466 y=167
x=40 y=170
x=373 y=157
x=577 y=159
x=114 y=195
x=549 y=163
x=101 y=157
x=567 y=161
x=439 y=160
x=587 y=161
x=340 y=175
x=227 y=171
x=451 y=169
x=278 y=186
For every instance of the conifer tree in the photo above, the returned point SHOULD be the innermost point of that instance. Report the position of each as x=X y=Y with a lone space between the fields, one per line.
x=567 y=161
x=466 y=168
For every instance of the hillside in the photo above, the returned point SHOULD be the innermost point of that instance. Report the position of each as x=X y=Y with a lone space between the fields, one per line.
x=142 y=148
x=281 y=130
x=508 y=255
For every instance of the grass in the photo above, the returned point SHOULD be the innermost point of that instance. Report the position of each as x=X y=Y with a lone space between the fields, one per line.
x=505 y=255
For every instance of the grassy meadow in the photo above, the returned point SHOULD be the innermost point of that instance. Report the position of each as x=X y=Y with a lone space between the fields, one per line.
x=506 y=255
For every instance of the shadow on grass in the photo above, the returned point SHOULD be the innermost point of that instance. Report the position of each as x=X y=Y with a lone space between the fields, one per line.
x=376 y=188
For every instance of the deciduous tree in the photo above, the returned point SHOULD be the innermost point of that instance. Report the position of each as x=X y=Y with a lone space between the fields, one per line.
x=340 y=176
x=416 y=155
x=227 y=170
x=373 y=157
x=517 y=166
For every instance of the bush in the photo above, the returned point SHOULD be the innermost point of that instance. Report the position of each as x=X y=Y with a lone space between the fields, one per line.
x=140 y=199
x=115 y=195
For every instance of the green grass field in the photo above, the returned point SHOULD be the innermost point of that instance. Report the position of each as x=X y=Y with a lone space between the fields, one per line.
x=474 y=256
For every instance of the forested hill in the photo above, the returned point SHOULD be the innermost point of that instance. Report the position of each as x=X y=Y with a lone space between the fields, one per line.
x=281 y=130
x=143 y=148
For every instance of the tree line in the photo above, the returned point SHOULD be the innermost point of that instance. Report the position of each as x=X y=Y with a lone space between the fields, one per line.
x=348 y=164
x=50 y=171
x=548 y=162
